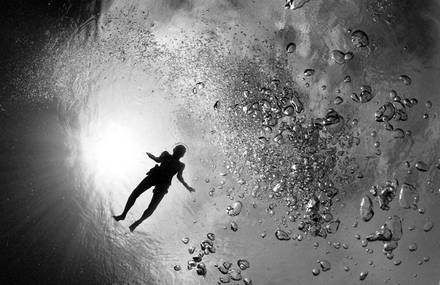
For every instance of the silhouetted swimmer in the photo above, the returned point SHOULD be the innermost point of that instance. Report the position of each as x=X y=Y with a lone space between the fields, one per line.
x=159 y=176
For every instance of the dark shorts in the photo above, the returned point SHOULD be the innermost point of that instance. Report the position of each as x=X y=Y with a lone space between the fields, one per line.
x=152 y=180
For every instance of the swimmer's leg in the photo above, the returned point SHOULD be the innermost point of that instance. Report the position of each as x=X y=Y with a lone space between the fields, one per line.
x=157 y=197
x=146 y=183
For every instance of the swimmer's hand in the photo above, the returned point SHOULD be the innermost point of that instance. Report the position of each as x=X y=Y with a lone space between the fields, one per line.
x=150 y=155
x=156 y=159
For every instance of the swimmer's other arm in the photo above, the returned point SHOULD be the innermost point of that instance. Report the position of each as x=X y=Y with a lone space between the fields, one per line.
x=180 y=178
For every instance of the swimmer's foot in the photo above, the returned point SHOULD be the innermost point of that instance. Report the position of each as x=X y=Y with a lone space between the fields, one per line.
x=118 y=218
x=133 y=226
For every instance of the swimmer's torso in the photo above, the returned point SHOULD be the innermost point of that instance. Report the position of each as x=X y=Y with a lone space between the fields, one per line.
x=169 y=166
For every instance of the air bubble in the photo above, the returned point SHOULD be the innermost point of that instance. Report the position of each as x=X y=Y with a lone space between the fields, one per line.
x=363 y=275
x=325 y=265
x=337 y=56
x=282 y=235
x=234 y=226
x=412 y=246
x=428 y=226
x=359 y=39
x=185 y=240
x=421 y=166
x=405 y=79
x=247 y=281
x=291 y=48
x=243 y=264
x=295 y=4
x=309 y=72
x=366 y=209
x=235 y=209
x=316 y=271
x=338 y=100
x=235 y=274
x=408 y=196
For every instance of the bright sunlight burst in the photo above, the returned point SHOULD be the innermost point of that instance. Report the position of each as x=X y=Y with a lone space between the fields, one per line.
x=111 y=150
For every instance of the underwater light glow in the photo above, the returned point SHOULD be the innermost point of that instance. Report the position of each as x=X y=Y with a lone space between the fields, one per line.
x=110 y=151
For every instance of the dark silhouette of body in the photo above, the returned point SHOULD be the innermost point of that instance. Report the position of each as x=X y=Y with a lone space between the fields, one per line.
x=159 y=176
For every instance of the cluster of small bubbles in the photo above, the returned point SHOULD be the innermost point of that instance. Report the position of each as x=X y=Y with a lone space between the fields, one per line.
x=394 y=111
x=206 y=247
x=386 y=193
x=285 y=136
x=231 y=273
x=307 y=150
x=390 y=232
x=365 y=95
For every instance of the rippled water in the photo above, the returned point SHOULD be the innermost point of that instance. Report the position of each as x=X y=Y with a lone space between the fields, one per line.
x=312 y=137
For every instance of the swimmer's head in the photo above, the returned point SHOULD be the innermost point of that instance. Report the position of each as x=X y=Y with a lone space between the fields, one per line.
x=179 y=151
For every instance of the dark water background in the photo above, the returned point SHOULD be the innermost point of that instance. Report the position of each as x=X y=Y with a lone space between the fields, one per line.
x=56 y=208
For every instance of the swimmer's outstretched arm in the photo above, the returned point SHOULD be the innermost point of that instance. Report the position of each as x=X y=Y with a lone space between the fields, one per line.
x=180 y=178
x=155 y=158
